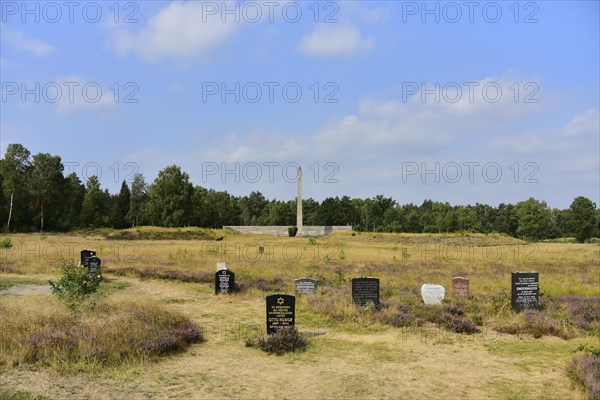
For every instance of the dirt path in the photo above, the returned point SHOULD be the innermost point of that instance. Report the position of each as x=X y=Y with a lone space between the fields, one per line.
x=28 y=290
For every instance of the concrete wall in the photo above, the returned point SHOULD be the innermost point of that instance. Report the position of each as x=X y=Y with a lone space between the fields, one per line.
x=283 y=230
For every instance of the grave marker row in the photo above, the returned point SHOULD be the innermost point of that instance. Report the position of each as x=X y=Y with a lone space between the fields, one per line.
x=90 y=261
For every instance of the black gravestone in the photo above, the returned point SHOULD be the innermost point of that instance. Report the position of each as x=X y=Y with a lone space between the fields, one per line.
x=365 y=291
x=306 y=285
x=261 y=250
x=525 y=290
x=93 y=264
x=85 y=255
x=281 y=312
x=224 y=281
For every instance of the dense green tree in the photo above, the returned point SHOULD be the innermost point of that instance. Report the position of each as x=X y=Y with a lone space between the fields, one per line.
x=120 y=207
x=278 y=213
x=15 y=166
x=326 y=214
x=535 y=220
x=485 y=215
x=581 y=218
x=222 y=209
x=72 y=196
x=443 y=217
x=45 y=185
x=412 y=219
x=506 y=220
x=309 y=211
x=200 y=212
x=170 y=198
x=347 y=214
x=466 y=219
x=96 y=204
x=252 y=207
x=137 y=199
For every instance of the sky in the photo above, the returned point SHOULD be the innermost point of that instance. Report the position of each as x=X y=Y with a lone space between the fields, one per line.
x=459 y=102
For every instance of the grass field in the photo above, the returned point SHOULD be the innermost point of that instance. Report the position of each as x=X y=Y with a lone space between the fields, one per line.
x=352 y=354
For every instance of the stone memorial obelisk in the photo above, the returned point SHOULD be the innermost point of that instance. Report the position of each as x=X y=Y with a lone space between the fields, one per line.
x=299 y=203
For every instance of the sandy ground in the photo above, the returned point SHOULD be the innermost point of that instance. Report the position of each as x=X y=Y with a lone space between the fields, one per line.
x=24 y=290
x=393 y=364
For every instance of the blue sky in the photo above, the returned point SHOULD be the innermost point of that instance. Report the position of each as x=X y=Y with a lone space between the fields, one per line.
x=465 y=102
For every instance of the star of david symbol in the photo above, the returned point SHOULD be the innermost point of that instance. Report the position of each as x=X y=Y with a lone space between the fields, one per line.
x=280 y=300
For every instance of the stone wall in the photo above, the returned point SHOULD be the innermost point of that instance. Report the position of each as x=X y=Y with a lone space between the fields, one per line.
x=307 y=230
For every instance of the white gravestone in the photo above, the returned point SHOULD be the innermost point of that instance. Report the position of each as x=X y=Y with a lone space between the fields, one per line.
x=432 y=294
x=221 y=265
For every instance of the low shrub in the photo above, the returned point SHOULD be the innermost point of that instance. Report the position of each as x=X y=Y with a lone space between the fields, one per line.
x=5 y=243
x=582 y=311
x=584 y=372
x=75 y=284
x=538 y=324
x=287 y=339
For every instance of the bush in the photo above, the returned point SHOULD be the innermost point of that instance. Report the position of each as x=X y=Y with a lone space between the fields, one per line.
x=582 y=311
x=584 y=372
x=75 y=283
x=5 y=243
x=292 y=231
x=285 y=340
x=538 y=324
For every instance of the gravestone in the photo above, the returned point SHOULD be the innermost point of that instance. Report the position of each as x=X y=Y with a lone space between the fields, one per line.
x=224 y=281
x=221 y=265
x=261 y=250
x=306 y=285
x=365 y=290
x=85 y=255
x=281 y=311
x=460 y=287
x=93 y=265
x=525 y=290
x=432 y=294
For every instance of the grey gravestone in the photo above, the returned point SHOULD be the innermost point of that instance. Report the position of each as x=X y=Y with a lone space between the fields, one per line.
x=221 y=265
x=525 y=290
x=224 y=281
x=306 y=285
x=93 y=265
x=460 y=287
x=432 y=294
x=281 y=312
x=365 y=291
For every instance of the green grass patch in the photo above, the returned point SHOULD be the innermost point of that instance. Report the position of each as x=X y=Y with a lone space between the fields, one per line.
x=7 y=282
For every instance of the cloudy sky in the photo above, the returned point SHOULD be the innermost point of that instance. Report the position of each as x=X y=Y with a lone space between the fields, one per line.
x=465 y=102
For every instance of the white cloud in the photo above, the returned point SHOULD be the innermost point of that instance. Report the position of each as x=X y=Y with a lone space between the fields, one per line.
x=334 y=41
x=31 y=45
x=586 y=123
x=74 y=94
x=579 y=133
x=381 y=129
x=181 y=30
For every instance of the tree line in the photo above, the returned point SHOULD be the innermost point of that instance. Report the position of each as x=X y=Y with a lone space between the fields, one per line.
x=36 y=196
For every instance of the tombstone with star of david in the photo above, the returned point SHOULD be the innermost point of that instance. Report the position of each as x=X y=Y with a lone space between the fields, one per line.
x=281 y=312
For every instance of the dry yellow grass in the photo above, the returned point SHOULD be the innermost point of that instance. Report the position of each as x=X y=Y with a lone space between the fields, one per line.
x=345 y=361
